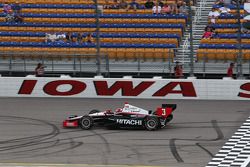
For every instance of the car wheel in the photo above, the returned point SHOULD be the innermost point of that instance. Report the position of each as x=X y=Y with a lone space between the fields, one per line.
x=94 y=111
x=151 y=123
x=86 y=122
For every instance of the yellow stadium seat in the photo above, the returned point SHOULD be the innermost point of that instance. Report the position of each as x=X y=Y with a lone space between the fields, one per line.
x=112 y=53
x=130 y=53
x=121 y=53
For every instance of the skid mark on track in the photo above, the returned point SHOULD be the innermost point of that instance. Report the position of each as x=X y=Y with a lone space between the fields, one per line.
x=174 y=150
x=37 y=145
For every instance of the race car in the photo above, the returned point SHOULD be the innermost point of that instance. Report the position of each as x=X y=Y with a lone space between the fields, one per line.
x=127 y=117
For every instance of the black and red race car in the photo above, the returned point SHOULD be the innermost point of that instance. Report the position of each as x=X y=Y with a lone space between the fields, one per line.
x=127 y=117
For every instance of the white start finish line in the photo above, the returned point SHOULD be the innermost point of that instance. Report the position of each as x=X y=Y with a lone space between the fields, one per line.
x=236 y=151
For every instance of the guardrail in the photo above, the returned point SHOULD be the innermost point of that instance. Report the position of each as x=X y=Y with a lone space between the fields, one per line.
x=76 y=63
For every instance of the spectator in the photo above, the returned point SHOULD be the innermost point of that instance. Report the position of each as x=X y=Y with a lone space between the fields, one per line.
x=50 y=37
x=6 y=8
x=149 y=4
x=174 y=7
x=69 y=37
x=115 y=4
x=156 y=9
x=16 y=7
x=107 y=5
x=60 y=37
x=208 y=33
x=18 y=18
x=178 y=71
x=39 y=70
x=230 y=70
x=89 y=38
x=182 y=8
x=133 y=5
x=166 y=9
x=123 y=4
x=213 y=15
x=224 y=9
x=10 y=17
x=79 y=38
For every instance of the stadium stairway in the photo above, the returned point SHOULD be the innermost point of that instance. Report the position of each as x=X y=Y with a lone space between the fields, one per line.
x=199 y=22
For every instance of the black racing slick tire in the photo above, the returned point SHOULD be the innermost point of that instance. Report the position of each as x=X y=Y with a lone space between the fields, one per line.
x=94 y=111
x=86 y=122
x=151 y=123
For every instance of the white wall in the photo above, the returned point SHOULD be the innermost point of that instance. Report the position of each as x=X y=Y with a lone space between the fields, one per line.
x=125 y=88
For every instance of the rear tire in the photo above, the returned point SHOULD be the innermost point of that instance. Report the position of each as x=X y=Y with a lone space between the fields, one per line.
x=86 y=122
x=151 y=123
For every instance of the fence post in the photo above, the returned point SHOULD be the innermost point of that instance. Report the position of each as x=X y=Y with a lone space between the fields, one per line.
x=204 y=66
x=191 y=55
x=98 y=63
x=10 y=63
x=249 y=69
x=52 y=63
x=80 y=61
x=74 y=64
x=169 y=61
x=139 y=66
x=107 y=65
x=24 y=64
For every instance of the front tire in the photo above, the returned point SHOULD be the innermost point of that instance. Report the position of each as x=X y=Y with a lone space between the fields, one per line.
x=151 y=123
x=86 y=122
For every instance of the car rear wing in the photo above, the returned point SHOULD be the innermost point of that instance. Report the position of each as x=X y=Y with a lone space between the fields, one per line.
x=172 y=106
x=165 y=110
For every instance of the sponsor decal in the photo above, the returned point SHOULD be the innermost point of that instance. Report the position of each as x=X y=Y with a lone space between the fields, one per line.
x=129 y=122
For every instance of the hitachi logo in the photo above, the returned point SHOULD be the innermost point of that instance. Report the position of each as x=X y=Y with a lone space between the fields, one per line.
x=129 y=122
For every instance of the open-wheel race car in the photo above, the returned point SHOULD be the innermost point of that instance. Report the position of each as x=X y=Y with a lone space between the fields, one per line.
x=127 y=117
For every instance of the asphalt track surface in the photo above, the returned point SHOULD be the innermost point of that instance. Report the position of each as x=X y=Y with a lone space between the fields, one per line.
x=31 y=133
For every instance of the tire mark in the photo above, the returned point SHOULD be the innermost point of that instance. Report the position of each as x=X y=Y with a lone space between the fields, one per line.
x=206 y=150
x=174 y=150
x=106 y=144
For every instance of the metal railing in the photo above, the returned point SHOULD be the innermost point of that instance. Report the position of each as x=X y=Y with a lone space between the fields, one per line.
x=77 y=64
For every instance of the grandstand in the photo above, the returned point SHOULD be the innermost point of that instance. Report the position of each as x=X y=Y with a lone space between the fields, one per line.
x=131 y=41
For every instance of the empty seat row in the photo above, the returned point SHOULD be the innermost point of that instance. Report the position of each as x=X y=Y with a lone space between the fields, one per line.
x=82 y=45
x=229 y=36
x=223 y=46
x=102 y=20
x=80 y=25
x=113 y=53
x=90 y=30
x=224 y=41
x=102 y=35
x=114 y=16
x=222 y=54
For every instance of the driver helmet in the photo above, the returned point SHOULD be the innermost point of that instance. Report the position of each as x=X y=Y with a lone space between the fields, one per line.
x=108 y=111
x=118 y=110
